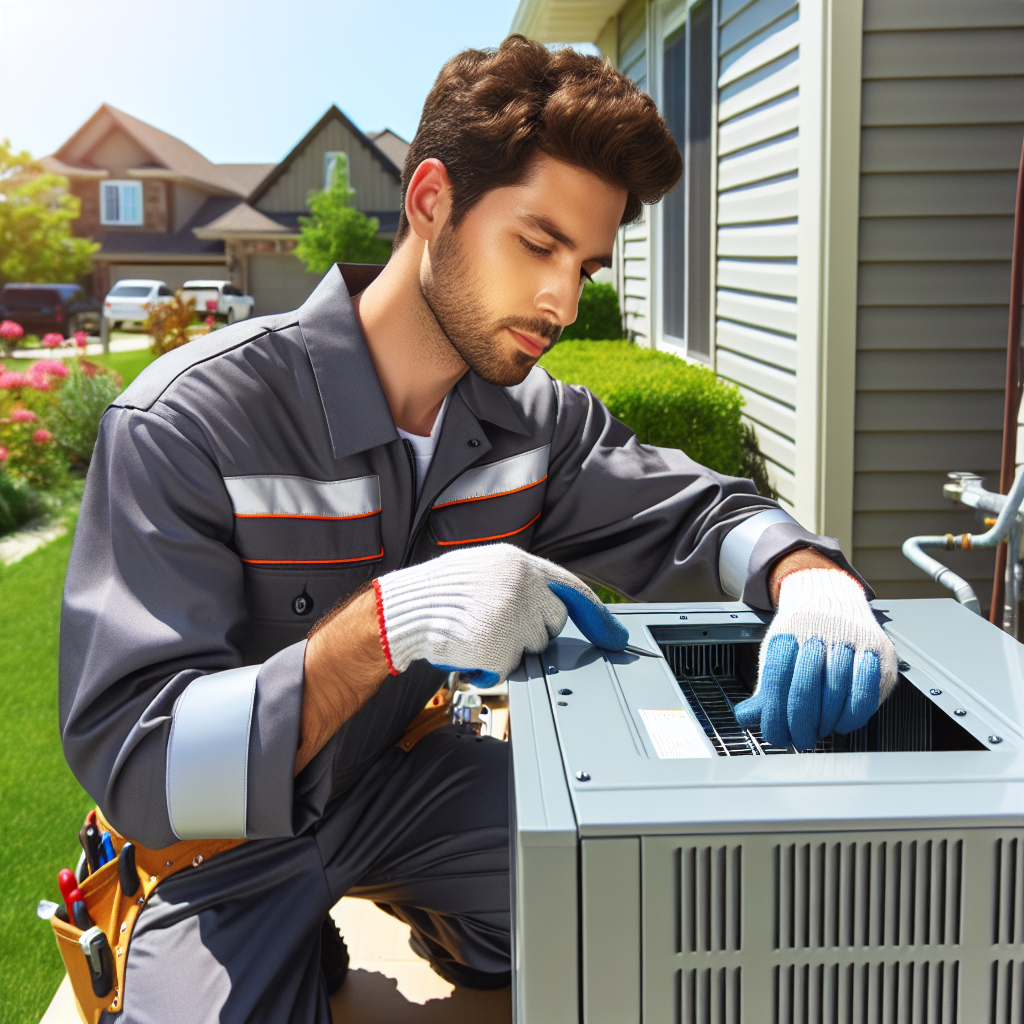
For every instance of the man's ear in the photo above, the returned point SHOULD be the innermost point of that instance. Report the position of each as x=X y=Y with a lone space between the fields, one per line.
x=428 y=199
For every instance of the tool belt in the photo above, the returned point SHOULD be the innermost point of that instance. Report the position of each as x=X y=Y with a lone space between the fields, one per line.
x=114 y=912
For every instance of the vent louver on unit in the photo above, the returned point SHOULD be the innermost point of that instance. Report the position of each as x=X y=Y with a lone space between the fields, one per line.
x=1009 y=878
x=712 y=898
x=712 y=996
x=1007 y=994
x=893 y=993
x=889 y=893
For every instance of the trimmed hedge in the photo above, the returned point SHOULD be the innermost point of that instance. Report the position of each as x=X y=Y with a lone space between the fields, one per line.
x=597 y=316
x=666 y=401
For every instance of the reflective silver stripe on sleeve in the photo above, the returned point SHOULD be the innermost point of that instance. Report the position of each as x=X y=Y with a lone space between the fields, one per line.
x=208 y=755
x=738 y=546
x=515 y=473
x=299 y=496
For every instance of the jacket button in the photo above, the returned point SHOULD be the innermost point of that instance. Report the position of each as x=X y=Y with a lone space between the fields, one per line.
x=474 y=443
x=303 y=604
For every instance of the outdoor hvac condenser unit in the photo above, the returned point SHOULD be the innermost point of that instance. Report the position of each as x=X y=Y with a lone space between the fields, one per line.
x=671 y=866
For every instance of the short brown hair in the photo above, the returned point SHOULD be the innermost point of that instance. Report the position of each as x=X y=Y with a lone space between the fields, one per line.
x=491 y=111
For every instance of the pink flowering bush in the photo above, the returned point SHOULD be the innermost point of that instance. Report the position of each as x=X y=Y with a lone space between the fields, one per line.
x=43 y=373
x=53 y=340
x=10 y=334
x=81 y=341
x=23 y=416
x=12 y=381
x=3 y=454
x=41 y=436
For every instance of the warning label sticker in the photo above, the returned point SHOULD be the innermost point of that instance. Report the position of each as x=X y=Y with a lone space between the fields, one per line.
x=674 y=733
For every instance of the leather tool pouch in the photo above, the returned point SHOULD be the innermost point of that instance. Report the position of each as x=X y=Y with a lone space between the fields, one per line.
x=115 y=912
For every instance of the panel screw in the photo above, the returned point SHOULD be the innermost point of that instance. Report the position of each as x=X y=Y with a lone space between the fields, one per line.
x=995 y=739
x=959 y=711
x=197 y=860
x=303 y=604
x=902 y=665
x=682 y=616
x=563 y=704
x=733 y=616
x=124 y=926
x=552 y=670
x=934 y=692
x=474 y=443
x=565 y=693
x=583 y=776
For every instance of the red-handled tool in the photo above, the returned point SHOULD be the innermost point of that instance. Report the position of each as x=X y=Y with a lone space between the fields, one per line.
x=68 y=884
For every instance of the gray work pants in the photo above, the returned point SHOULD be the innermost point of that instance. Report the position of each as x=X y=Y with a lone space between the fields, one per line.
x=424 y=834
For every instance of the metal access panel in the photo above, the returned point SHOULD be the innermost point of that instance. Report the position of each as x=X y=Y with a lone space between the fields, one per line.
x=670 y=866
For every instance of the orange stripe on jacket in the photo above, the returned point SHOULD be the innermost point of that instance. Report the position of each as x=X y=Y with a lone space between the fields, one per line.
x=301 y=515
x=497 y=536
x=500 y=494
x=312 y=561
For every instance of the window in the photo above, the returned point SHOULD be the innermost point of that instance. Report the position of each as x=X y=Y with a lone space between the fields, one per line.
x=330 y=160
x=130 y=291
x=120 y=202
x=164 y=290
x=230 y=289
x=686 y=219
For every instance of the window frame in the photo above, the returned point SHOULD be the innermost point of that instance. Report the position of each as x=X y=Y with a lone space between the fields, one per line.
x=331 y=157
x=665 y=20
x=121 y=185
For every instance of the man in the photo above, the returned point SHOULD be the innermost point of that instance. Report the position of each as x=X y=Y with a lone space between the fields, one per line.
x=390 y=455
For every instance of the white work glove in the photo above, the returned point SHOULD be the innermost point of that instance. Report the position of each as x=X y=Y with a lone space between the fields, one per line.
x=826 y=664
x=478 y=610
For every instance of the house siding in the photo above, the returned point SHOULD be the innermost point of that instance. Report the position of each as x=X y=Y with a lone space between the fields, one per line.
x=941 y=126
x=756 y=221
x=375 y=188
x=633 y=266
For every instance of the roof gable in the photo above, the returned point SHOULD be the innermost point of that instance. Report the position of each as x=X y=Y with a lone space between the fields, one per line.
x=151 y=147
x=274 y=194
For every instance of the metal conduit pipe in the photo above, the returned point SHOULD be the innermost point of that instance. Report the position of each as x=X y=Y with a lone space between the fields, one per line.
x=962 y=590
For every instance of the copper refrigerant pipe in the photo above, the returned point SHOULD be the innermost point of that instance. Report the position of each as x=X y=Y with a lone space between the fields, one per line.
x=1011 y=405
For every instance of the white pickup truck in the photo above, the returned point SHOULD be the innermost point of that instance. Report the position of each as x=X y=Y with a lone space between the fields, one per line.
x=220 y=299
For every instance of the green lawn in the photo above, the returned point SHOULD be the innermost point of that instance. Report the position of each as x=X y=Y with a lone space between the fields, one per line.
x=41 y=804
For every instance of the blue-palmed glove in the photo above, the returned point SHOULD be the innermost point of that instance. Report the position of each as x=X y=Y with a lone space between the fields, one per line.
x=826 y=664
x=478 y=610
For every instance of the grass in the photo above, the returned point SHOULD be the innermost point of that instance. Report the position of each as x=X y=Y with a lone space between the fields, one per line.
x=41 y=803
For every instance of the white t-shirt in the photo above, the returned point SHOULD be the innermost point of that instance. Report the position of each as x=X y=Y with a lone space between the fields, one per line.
x=423 y=447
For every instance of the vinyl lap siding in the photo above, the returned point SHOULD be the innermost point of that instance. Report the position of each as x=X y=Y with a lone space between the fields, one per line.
x=755 y=332
x=942 y=121
x=634 y=264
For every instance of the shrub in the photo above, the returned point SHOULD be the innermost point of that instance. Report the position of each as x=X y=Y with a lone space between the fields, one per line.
x=75 y=419
x=168 y=323
x=666 y=401
x=10 y=334
x=598 y=315
x=32 y=453
x=19 y=501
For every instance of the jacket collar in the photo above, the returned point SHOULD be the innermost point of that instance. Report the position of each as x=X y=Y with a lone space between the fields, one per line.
x=357 y=412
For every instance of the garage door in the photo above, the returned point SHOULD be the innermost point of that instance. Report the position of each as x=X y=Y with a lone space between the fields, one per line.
x=174 y=275
x=279 y=282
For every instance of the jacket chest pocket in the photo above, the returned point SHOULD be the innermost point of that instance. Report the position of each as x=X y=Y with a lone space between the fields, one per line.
x=293 y=521
x=494 y=502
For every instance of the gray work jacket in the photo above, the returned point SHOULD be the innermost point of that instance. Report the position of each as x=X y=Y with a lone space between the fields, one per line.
x=248 y=481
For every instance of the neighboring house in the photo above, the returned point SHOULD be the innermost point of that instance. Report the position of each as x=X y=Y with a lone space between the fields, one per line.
x=840 y=244
x=161 y=210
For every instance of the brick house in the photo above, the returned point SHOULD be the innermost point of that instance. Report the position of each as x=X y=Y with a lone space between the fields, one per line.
x=160 y=209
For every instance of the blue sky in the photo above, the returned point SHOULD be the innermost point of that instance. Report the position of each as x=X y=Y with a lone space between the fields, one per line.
x=241 y=82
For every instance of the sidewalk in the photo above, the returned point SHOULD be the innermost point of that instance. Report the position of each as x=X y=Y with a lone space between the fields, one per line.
x=121 y=341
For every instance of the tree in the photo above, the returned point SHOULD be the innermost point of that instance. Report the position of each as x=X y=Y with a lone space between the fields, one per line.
x=36 y=213
x=336 y=232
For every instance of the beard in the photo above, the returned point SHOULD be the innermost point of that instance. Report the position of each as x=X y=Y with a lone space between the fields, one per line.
x=467 y=323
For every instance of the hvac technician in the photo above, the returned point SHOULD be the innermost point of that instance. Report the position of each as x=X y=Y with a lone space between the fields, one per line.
x=388 y=467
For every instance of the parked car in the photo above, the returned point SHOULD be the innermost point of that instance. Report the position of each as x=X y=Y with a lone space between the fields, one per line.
x=220 y=298
x=126 y=301
x=50 y=308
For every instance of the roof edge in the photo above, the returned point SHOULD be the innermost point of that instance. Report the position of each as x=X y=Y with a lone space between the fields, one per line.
x=332 y=113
